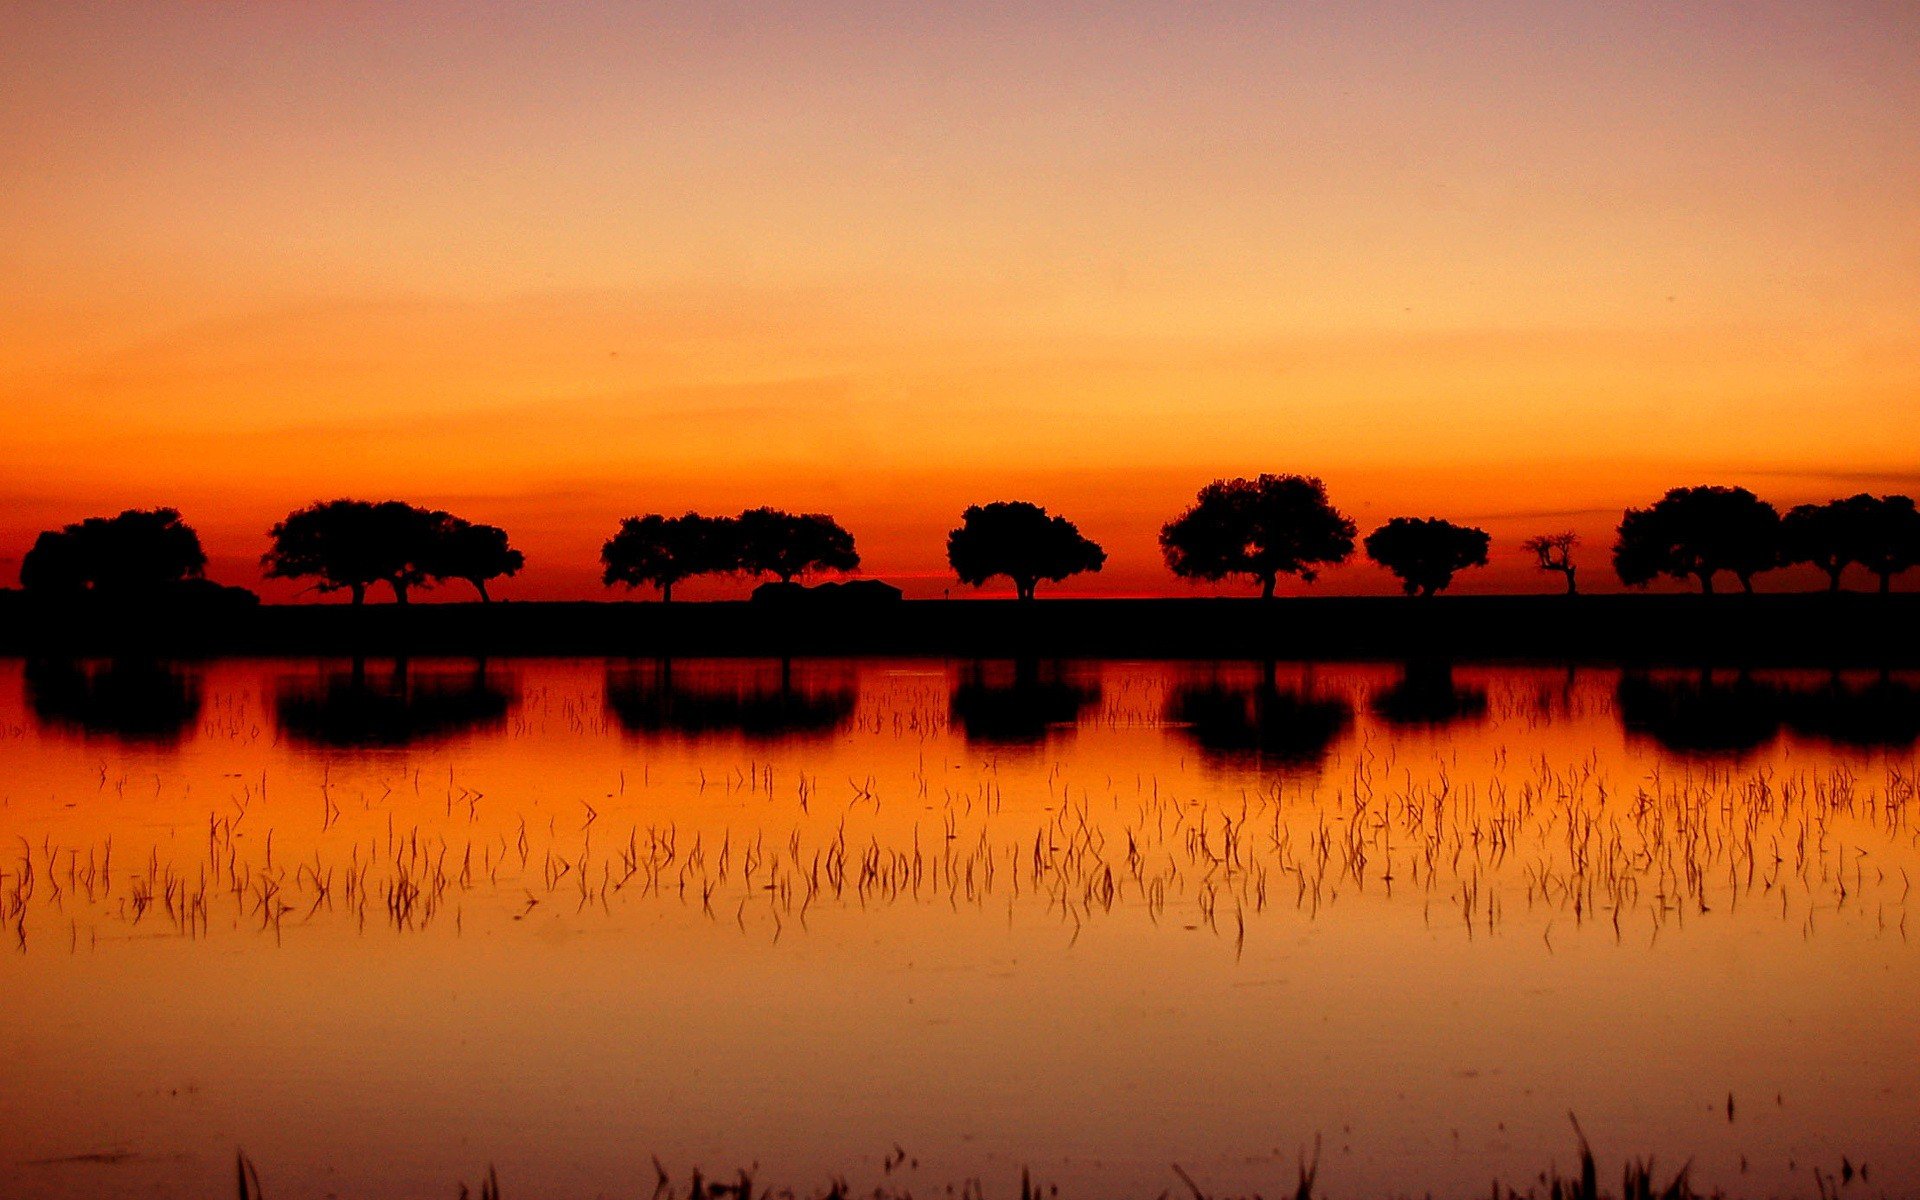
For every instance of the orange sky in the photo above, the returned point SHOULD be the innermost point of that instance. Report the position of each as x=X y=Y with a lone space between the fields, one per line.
x=1513 y=264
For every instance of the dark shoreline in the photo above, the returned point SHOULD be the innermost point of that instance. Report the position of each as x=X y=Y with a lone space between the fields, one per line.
x=1816 y=630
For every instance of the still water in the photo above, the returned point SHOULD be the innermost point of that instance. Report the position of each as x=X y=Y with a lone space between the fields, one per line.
x=383 y=925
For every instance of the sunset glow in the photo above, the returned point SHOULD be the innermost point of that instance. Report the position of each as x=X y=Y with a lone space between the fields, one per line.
x=1518 y=265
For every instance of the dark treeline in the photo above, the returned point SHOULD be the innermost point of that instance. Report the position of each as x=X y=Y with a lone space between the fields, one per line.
x=1259 y=530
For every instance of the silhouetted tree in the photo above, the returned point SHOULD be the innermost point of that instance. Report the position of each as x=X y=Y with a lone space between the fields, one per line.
x=1695 y=533
x=1425 y=552
x=1889 y=532
x=1261 y=528
x=475 y=553
x=784 y=544
x=1828 y=536
x=139 y=552
x=662 y=551
x=1019 y=540
x=353 y=544
x=1555 y=553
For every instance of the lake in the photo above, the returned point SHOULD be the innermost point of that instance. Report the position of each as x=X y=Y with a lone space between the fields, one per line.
x=381 y=925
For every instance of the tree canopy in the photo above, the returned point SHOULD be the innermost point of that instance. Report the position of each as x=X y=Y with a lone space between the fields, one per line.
x=1021 y=541
x=1889 y=535
x=661 y=551
x=1696 y=533
x=351 y=545
x=783 y=544
x=460 y=549
x=1259 y=528
x=138 y=552
x=1425 y=552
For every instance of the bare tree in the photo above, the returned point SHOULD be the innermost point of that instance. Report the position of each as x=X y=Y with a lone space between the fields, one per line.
x=1555 y=554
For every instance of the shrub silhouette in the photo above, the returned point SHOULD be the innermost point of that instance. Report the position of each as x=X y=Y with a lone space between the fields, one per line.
x=1022 y=542
x=138 y=553
x=661 y=551
x=1424 y=553
x=476 y=553
x=1555 y=553
x=782 y=544
x=1260 y=528
x=1695 y=533
x=1889 y=536
x=351 y=545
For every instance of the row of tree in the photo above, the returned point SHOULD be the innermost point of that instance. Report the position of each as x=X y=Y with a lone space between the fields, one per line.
x=1259 y=529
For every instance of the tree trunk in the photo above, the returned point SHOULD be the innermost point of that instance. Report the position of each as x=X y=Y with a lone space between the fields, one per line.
x=480 y=585
x=1886 y=582
x=1266 y=586
x=1573 y=589
x=1746 y=583
x=359 y=593
x=399 y=591
x=1023 y=588
x=1706 y=583
x=666 y=592
x=1833 y=577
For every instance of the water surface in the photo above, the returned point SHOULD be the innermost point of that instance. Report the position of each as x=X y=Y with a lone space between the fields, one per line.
x=384 y=924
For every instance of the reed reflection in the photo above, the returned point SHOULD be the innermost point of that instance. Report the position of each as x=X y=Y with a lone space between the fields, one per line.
x=756 y=701
x=1019 y=703
x=132 y=700
x=1259 y=722
x=350 y=706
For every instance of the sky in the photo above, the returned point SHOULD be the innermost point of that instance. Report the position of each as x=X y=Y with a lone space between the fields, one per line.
x=1518 y=265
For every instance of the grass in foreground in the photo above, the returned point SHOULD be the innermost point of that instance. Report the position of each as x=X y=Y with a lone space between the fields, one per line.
x=1637 y=1182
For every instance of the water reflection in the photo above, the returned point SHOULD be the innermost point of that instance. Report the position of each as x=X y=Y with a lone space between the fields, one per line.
x=1426 y=694
x=1881 y=712
x=1259 y=722
x=758 y=701
x=349 y=706
x=134 y=700
x=1018 y=703
x=1699 y=714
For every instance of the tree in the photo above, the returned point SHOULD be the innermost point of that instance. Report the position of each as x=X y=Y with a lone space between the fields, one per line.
x=1828 y=536
x=1425 y=552
x=662 y=551
x=1555 y=553
x=1261 y=528
x=139 y=552
x=785 y=544
x=354 y=544
x=1695 y=533
x=475 y=553
x=1889 y=532
x=1019 y=540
